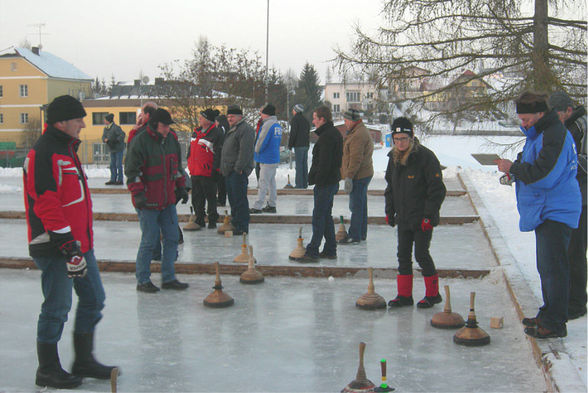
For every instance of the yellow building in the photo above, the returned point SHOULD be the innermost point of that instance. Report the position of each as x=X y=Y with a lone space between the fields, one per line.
x=30 y=79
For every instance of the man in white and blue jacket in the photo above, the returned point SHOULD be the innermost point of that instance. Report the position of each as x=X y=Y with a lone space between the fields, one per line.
x=267 y=154
x=549 y=203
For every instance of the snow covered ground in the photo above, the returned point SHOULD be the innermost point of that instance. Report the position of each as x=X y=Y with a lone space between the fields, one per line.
x=499 y=202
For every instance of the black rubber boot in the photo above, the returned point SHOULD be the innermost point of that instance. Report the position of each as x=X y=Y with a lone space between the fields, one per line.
x=401 y=301
x=50 y=372
x=85 y=365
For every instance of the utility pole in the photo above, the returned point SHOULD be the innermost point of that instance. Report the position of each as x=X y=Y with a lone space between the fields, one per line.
x=267 y=54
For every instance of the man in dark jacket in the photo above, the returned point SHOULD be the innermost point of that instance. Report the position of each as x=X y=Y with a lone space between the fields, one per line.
x=575 y=122
x=60 y=233
x=204 y=162
x=325 y=173
x=414 y=194
x=114 y=137
x=236 y=165
x=155 y=180
x=299 y=140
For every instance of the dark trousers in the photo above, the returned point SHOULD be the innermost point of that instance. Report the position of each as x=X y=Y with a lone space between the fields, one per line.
x=577 y=258
x=552 y=239
x=237 y=192
x=221 y=197
x=322 y=220
x=301 y=156
x=204 y=191
x=422 y=241
x=359 y=210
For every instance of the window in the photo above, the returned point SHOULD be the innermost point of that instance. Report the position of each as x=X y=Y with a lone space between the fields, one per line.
x=24 y=118
x=100 y=153
x=128 y=117
x=98 y=118
x=352 y=96
x=336 y=95
x=336 y=108
x=13 y=66
x=1 y=91
x=369 y=95
x=1 y=118
x=24 y=90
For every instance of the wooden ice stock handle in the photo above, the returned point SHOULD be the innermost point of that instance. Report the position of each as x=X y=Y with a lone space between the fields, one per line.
x=472 y=297
x=361 y=351
x=447 y=300
x=383 y=367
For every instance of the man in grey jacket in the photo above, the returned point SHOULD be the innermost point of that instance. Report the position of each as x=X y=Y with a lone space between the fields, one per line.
x=114 y=137
x=236 y=165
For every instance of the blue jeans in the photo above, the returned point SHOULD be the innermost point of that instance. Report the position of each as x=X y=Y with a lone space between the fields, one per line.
x=359 y=210
x=552 y=240
x=322 y=220
x=57 y=292
x=116 y=166
x=237 y=193
x=152 y=222
x=301 y=157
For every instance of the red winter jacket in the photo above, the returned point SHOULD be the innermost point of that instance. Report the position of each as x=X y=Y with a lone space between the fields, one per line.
x=205 y=151
x=56 y=193
x=153 y=167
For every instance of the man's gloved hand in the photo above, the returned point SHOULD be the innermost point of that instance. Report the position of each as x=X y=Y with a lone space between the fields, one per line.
x=391 y=220
x=140 y=200
x=507 y=179
x=182 y=194
x=76 y=266
x=348 y=187
x=75 y=262
x=426 y=225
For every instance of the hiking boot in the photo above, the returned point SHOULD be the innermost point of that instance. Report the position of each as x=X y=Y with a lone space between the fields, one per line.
x=147 y=287
x=308 y=259
x=542 y=332
x=174 y=284
x=269 y=209
x=348 y=240
x=324 y=255
x=530 y=322
x=255 y=211
x=110 y=183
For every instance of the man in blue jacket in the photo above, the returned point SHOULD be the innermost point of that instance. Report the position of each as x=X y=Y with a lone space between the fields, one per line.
x=549 y=203
x=267 y=154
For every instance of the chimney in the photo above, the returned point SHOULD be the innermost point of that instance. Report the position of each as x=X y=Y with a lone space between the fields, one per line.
x=35 y=50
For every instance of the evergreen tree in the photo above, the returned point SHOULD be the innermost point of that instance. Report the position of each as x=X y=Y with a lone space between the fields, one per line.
x=309 y=90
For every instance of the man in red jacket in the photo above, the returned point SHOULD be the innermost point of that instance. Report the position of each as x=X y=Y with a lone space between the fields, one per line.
x=59 y=220
x=203 y=162
x=156 y=181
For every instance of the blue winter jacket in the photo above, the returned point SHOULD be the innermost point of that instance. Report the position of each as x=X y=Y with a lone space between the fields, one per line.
x=545 y=174
x=267 y=142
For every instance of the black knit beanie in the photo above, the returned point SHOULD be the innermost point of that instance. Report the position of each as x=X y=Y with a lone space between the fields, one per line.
x=64 y=108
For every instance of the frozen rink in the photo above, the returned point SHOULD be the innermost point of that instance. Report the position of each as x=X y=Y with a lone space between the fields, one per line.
x=284 y=335
x=293 y=333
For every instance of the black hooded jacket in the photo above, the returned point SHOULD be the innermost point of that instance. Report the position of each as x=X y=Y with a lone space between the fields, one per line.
x=415 y=189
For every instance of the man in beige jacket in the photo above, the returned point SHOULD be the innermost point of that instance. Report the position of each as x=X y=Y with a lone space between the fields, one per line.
x=357 y=171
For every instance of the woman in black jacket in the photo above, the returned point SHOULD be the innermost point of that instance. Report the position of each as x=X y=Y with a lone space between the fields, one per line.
x=414 y=194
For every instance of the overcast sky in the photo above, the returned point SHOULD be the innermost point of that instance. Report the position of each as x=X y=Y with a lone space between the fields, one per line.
x=124 y=38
